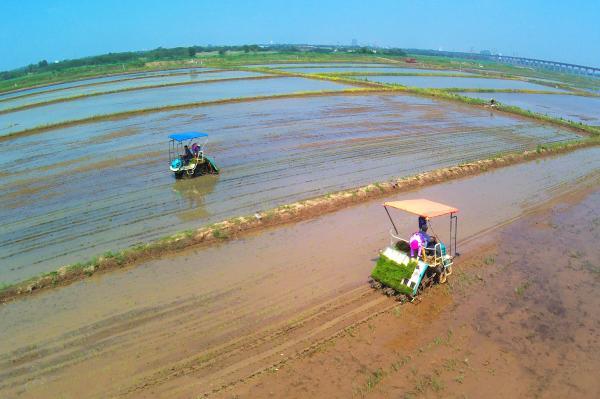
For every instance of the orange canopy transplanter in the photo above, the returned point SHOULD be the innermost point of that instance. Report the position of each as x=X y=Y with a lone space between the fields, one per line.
x=422 y=207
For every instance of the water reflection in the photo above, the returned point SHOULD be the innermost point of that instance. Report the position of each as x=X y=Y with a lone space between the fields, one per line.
x=191 y=194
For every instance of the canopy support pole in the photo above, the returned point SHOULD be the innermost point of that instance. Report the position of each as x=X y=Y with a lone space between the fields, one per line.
x=390 y=216
x=453 y=228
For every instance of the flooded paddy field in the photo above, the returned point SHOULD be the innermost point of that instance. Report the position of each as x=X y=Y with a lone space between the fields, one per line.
x=374 y=70
x=336 y=68
x=446 y=82
x=158 y=97
x=194 y=322
x=99 y=80
x=125 y=84
x=106 y=186
x=576 y=108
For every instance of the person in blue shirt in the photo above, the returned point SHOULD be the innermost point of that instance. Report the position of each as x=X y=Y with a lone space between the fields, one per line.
x=187 y=155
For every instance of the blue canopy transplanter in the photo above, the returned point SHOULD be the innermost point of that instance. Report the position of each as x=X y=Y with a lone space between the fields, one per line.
x=187 y=136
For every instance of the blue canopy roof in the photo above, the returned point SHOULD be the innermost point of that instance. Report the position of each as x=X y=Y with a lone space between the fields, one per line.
x=187 y=136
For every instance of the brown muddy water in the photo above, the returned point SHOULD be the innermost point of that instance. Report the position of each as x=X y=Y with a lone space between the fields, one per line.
x=107 y=186
x=189 y=323
x=513 y=322
x=576 y=108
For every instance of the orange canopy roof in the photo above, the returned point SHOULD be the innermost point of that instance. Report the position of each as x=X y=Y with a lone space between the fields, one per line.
x=422 y=207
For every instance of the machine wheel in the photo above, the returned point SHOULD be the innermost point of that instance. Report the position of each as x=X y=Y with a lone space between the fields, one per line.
x=442 y=277
x=426 y=282
x=178 y=175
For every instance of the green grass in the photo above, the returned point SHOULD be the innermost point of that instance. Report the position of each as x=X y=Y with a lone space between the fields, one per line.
x=489 y=260
x=520 y=290
x=219 y=234
x=391 y=274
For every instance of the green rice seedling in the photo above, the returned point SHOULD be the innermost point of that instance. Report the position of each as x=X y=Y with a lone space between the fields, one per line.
x=391 y=274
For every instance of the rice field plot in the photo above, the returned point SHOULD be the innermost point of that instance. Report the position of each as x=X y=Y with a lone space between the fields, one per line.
x=99 y=80
x=153 y=98
x=371 y=68
x=124 y=84
x=576 y=108
x=72 y=193
x=446 y=82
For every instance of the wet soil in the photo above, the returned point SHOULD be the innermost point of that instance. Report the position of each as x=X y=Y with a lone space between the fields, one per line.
x=204 y=320
x=519 y=318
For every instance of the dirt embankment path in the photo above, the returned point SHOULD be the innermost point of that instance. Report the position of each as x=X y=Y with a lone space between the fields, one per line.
x=205 y=321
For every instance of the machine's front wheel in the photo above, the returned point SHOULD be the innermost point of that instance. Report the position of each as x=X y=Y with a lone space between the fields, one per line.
x=442 y=277
x=426 y=282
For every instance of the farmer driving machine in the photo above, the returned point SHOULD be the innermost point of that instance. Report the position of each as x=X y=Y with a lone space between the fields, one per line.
x=187 y=158
x=409 y=265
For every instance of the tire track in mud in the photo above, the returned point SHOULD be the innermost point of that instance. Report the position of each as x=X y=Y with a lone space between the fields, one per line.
x=234 y=355
x=235 y=363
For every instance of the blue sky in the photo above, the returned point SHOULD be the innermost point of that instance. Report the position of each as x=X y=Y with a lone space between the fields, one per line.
x=33 y=30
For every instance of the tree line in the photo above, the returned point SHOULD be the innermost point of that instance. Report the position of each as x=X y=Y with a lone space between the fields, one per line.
x=139 y=58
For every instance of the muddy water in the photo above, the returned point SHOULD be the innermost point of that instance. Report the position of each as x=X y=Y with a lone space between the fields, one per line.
x=129 y=101
x=106 y=186
x=575 y=108
x=99 y=80
x=443 y=82
x=190 y=322
x=127 y=84
x=512 y=322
